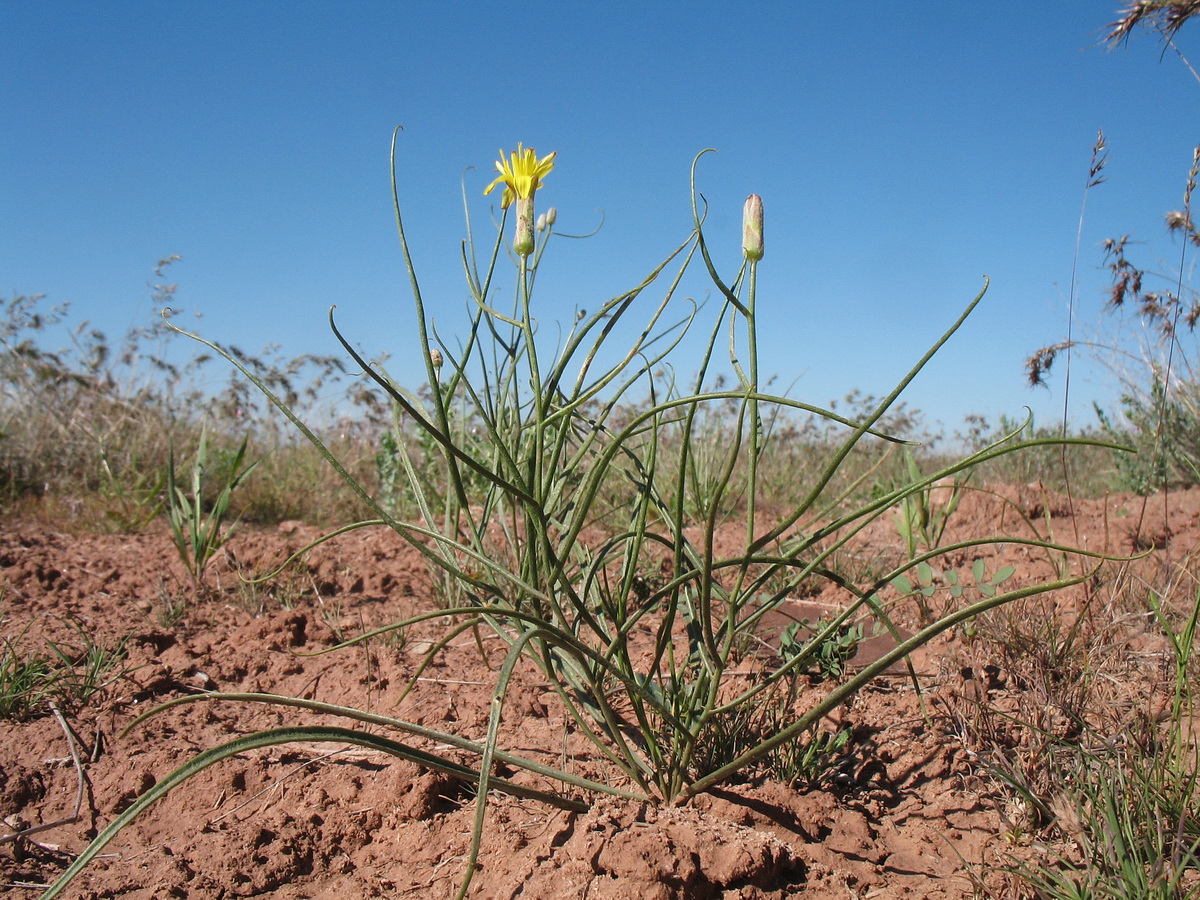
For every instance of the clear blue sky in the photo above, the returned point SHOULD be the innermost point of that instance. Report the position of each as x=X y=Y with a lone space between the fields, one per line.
x=903 y=151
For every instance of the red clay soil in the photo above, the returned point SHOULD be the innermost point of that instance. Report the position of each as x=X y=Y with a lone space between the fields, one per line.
x=907 y=812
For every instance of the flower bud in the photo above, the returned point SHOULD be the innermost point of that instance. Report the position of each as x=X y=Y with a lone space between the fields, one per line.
x=435 y=357
x=752 y=228
x=546 y=219
x=523 y=241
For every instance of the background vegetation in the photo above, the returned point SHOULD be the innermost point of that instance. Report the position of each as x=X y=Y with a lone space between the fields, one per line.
x=88 y=425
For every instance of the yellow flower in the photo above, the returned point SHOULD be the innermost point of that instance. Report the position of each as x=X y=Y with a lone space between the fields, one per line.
x=522 y=176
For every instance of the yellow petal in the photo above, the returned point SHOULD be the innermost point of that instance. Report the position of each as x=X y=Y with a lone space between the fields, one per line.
x=487 y=190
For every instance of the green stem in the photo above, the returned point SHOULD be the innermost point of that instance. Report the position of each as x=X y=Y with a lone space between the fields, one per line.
x=755 y=432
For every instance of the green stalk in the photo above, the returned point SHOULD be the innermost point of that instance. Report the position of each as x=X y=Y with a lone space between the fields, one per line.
x=755 y=431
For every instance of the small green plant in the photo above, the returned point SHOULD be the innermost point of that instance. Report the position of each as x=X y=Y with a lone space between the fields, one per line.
x=931 y=581
x=26 y=681
x=132 y=501
x=86 y=667
x=170 y=604
x=1164 y=428
x=69 y=674
x=580 y=480
x=827 y=659
x=922 y=517
x=199 y=530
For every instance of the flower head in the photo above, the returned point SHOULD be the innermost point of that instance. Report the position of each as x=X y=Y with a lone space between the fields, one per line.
x=522 y=176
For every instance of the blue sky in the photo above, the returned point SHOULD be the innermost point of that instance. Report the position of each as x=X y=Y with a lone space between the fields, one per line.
x=902 y=150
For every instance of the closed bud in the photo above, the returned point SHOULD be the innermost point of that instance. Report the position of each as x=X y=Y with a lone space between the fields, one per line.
x=752 y=228
x=541 y=223
x=435 y=357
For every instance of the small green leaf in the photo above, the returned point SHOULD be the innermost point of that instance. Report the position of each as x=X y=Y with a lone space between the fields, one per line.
x=977 y=571
x=1003 y=575
x=925 y=574
x=951 y=576
x=956 y=591
x=902 y=584
x=987 y=590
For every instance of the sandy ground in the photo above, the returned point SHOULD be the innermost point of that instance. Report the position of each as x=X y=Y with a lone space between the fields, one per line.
x=906 y=812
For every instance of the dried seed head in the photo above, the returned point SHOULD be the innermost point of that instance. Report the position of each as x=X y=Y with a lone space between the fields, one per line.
x=752 y=228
